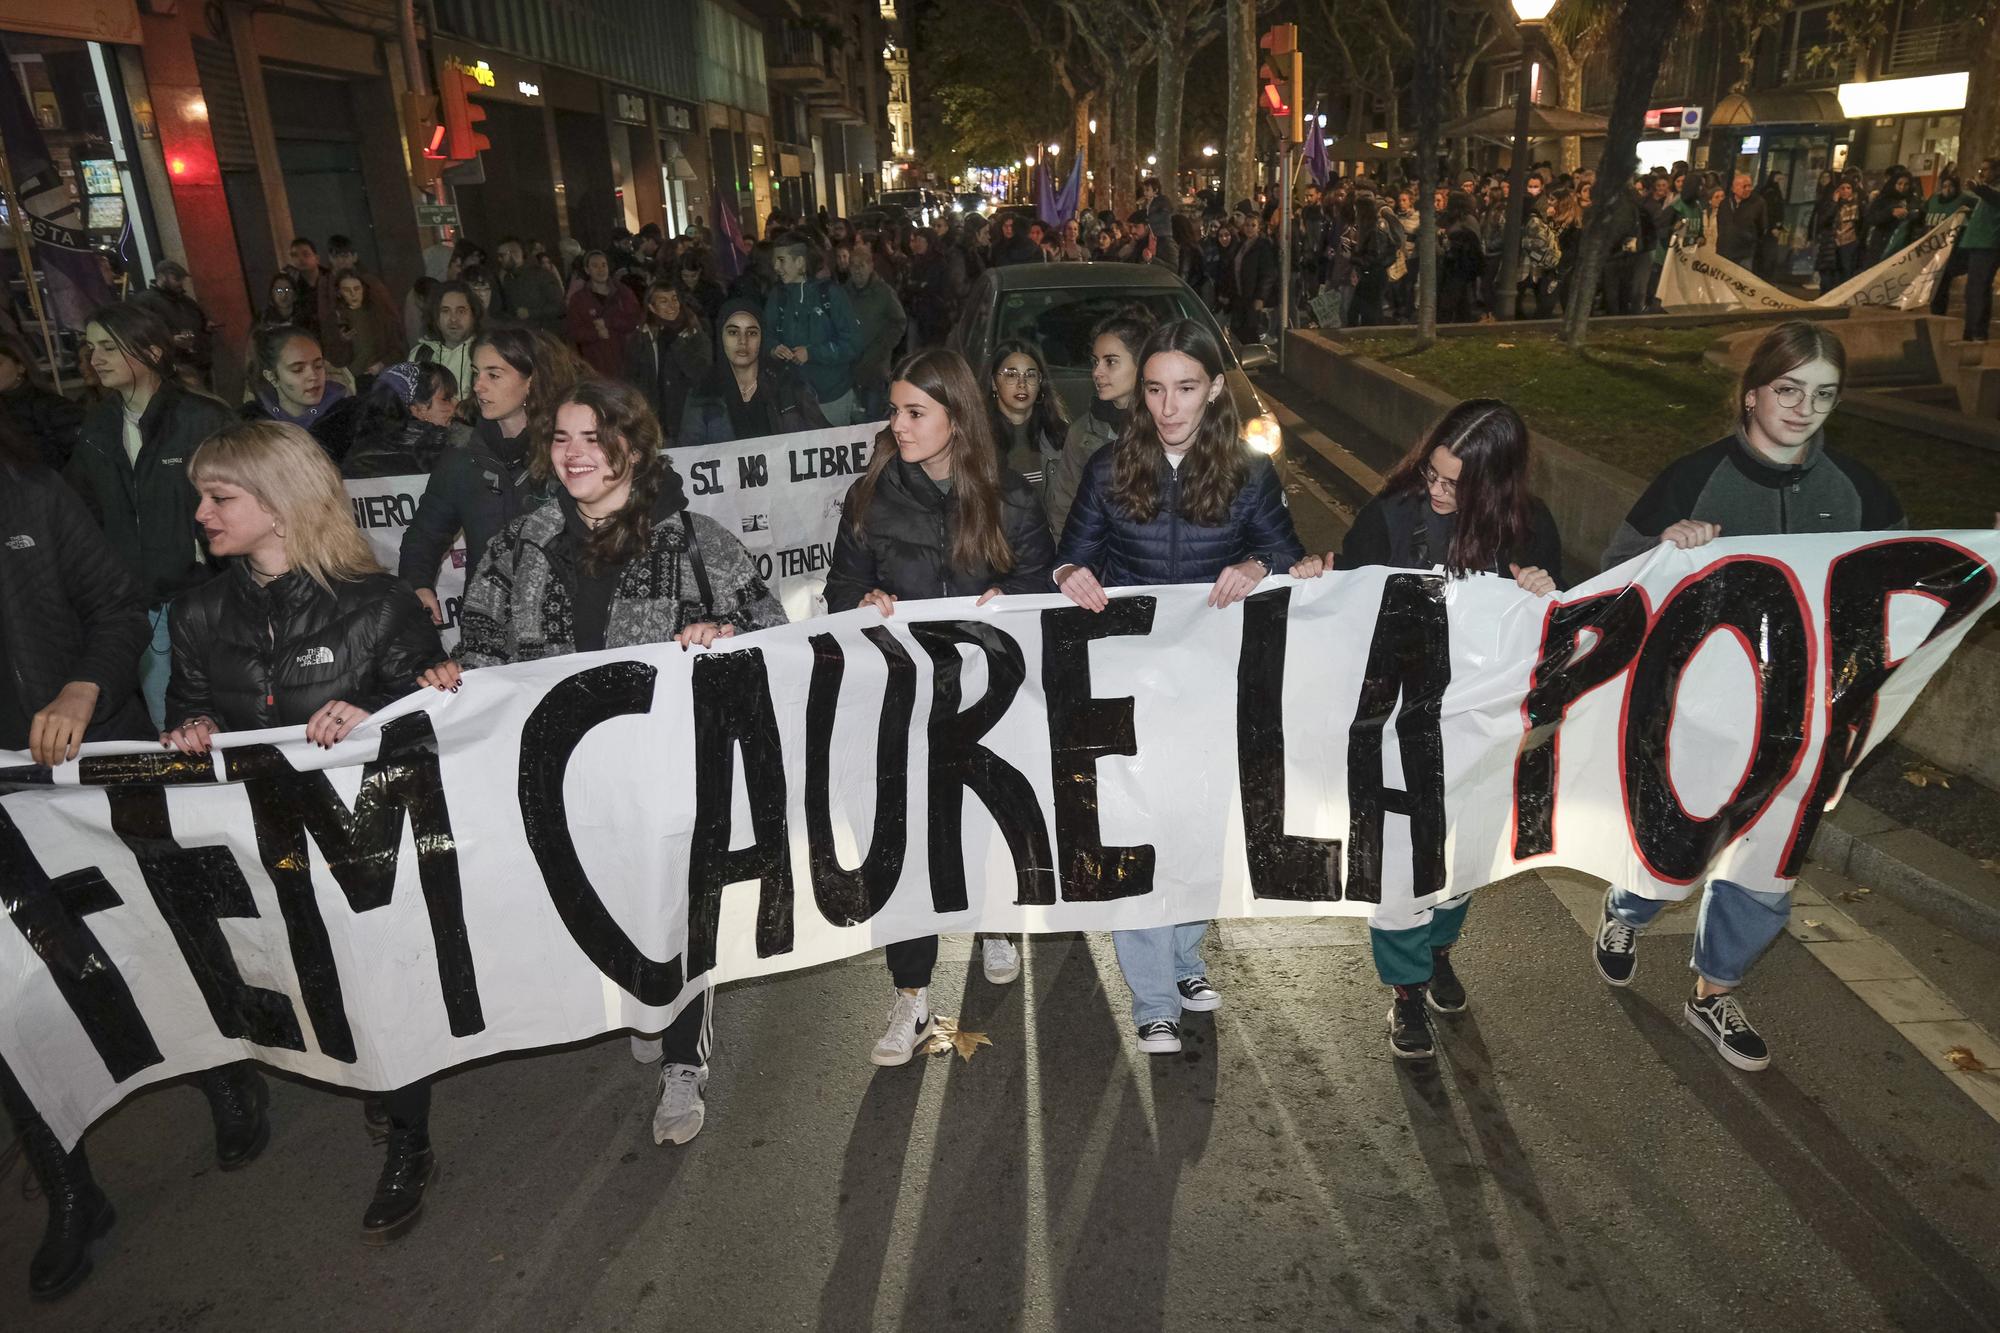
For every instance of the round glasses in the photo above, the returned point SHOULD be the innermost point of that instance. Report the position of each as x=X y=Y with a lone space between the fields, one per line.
x=1013 y=375
x=1432 y=477
x=1792 y=395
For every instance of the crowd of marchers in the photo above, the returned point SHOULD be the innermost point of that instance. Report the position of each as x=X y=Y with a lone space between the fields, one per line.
x=179 y=566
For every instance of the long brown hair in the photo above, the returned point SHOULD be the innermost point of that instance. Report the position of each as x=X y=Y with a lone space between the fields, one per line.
x=630 y=437
x=1495 y=508
x=1217 y=461
x=979 y=538
x=551 y=367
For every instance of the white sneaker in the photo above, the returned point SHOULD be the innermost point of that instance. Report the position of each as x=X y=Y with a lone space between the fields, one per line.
x=1003 y=960
x=681 y=1110
x=909 y=1023
x=645 y=1049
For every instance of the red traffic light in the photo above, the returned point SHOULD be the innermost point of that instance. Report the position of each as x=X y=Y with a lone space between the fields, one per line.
x=1274 y=100
x=460 y=115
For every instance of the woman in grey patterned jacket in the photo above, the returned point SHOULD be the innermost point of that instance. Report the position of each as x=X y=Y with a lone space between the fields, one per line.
x=617 y=561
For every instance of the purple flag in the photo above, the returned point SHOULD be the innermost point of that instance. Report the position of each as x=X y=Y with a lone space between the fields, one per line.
x=1045 y=199
x=1316 y=153
x=730 y=247
x=1065 y=203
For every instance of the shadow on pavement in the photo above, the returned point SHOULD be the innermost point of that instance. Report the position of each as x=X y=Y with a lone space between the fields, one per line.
x=1914 y=1272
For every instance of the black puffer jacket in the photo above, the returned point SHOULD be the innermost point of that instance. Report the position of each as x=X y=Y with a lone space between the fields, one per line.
x=409 y=448
x=480 y=488
x=1123 y=552
x=249 y=657
x=69 y=611
x=148 y=510
x=905 y=545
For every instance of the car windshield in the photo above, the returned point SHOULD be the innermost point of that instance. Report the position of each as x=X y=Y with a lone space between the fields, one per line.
x=902 y=198
x=1059 y=319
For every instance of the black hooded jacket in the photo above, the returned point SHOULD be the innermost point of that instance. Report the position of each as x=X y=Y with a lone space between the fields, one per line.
x=480 y=488
x=248 y=657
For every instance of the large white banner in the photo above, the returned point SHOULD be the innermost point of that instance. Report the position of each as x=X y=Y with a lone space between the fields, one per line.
x=384 y=507
x=1699 y=278
x=569 y=847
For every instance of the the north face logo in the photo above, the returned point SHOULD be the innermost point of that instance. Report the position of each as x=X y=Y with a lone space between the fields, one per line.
x=315 y=657
x=20 y=541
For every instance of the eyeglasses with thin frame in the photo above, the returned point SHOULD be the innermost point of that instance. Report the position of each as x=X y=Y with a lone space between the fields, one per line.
x=1791 y=395
x=1432 y=477
x=1015 y=375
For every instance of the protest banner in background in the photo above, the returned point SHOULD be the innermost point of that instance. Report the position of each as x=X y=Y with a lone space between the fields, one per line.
x=780 y=495
x=383 y=508
x=569 y=847
x=1698 y=278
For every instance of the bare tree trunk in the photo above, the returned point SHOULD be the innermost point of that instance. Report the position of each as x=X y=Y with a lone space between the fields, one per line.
x=1081 y=133
x=1124 y=144
x=1427 y=89
x=1170 y=69
x=1239 y=143
x=1569 y=95
x=1644 y=30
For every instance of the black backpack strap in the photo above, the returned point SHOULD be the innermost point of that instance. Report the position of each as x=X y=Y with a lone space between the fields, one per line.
x=697 y=564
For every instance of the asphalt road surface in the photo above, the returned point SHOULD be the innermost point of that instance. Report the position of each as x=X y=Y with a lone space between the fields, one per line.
x=1576 y=1159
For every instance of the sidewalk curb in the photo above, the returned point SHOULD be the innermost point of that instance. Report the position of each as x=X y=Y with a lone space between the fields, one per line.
x=1940 y=882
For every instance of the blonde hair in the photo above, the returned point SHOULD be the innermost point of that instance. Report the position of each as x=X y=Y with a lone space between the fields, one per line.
x=290 y=475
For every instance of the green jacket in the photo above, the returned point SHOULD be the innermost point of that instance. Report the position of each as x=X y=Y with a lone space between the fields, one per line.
x=1982 y=229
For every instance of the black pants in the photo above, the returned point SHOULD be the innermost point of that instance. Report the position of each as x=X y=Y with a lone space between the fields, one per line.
x=688 y=1038
x=409 y=1107
x=1941 y=294
x=911 y=962
x=1980 y=266
x=14 y=1097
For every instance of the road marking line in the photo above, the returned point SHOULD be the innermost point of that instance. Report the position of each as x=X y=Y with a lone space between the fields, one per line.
x=1873 y=969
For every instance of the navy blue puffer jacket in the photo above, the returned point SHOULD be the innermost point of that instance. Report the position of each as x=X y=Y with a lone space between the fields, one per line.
x=1171 y=549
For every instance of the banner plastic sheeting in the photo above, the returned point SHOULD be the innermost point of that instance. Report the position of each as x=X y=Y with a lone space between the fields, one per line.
x=1699 y=278
x=570 y=847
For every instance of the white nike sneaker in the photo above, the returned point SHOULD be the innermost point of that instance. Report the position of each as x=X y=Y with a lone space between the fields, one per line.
x=909 y=1024
x=1003 y=960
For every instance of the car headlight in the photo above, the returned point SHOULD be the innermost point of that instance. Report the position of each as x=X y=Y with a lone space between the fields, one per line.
x=1261 y=433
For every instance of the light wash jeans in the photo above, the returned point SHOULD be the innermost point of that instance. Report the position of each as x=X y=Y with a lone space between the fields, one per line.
x=1153 y=960
x=156 y=666
x=1733 y=929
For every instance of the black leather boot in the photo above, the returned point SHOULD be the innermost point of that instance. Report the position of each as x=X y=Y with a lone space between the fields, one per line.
x=237 y=1096
x=78 y=1214
x=409 y=1170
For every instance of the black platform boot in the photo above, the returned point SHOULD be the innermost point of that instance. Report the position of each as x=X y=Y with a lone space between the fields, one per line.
x=78 y=1214
x=237 y=1096
x=409 y=1170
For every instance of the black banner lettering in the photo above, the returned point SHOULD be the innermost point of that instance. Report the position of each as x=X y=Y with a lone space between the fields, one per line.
x=1409 y=665
x=1082 y=730
x=849 y=897
x=1282 y=865
x=732 y=710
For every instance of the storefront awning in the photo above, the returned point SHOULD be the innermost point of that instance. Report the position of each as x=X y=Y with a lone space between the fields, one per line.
x=1815 y=106
x=99 y=21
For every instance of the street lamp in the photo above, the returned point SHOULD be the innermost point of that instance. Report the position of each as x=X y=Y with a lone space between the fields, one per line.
x=1152 y=159
x=1093 y=124
x=1322 y=120
x=1528 y=16
x=1208 y=150
x=1055 y=149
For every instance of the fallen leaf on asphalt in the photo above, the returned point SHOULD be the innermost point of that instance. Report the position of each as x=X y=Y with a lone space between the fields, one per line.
x=1926 y=775
x=947 y=1038
x=1811 y=924
x=1963 y=1060
x=1855 y=895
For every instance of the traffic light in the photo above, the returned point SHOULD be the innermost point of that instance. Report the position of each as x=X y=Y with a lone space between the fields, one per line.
x=1283 y=93
x=426 y=139
x=462 y=141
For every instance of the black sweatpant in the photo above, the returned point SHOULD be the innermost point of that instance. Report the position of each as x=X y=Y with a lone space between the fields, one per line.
x=911 y=962
x=688 y=1039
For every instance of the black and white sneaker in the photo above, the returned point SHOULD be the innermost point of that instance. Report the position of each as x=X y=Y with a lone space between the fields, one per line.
x=1410 y=1025
x=1160 y=1037
x=1616 y=950
x=1446 y=993
x=1198 y=995
x=910 y=1023
x=1721 y=1019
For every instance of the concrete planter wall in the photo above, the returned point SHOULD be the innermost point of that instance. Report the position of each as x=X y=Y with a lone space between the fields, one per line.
x=1955 y=723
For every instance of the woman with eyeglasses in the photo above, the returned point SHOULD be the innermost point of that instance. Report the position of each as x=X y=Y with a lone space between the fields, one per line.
x=1772 y=474
x=1459 y=501
x=1029 y=424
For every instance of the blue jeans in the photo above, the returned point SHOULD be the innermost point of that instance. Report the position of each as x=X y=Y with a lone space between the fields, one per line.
x=1154 y=959
x=156 y=667
x=1734 y=928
